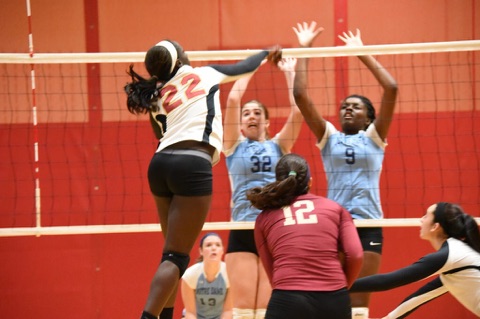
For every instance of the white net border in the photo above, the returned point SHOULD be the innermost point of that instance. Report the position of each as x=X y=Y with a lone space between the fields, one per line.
x=224 y=55
x=148 y=228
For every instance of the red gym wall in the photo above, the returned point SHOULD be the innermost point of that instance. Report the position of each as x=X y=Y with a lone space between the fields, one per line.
x=108 y=276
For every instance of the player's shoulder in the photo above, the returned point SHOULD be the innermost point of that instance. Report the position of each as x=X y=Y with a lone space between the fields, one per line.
x=194 y=270
x=314 y=197
x=223 y=267
x=322 y=201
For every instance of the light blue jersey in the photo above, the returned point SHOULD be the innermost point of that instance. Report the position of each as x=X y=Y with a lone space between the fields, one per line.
x=353 y=164
x=209 y=295
x=250 y=164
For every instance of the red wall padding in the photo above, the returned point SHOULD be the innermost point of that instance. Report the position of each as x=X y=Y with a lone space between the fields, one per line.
x=89 y=176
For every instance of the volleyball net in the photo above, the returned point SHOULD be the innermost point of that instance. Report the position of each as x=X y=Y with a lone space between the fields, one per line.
x=74 y=160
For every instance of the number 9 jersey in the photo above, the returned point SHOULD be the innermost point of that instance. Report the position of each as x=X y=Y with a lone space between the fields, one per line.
x=353 y=164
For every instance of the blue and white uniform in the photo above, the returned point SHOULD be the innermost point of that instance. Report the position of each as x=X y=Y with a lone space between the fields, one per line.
x=250 y=164
x=209 y=296
x=190 y=101
x=353 y=164
x=458 y=267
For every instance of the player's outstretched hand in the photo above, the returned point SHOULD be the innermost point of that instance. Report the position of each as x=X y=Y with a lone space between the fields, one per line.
x=287 y=64
x=306 y=33
x=351 y=40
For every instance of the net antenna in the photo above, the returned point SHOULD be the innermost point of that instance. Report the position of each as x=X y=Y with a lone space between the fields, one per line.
x=38 y=201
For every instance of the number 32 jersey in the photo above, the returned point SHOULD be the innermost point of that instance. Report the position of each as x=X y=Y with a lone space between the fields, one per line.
x=250 y=164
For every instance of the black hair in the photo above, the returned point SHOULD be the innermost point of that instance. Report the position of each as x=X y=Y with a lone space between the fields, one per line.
x=158 y=62
x=292 y=178
x=142 y=93
x=458 y=224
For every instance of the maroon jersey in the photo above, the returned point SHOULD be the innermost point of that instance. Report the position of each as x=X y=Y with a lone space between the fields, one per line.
x=299 y=245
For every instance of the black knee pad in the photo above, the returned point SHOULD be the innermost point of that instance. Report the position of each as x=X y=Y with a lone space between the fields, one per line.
x=180 y=260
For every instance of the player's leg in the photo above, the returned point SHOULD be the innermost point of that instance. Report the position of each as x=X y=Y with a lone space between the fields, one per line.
x=264 y=292
x=372 y=242
x=186 y=218
x=242 y=269
x=182 y=188
x=371 y=265
x=163 y=206
x=162 y=195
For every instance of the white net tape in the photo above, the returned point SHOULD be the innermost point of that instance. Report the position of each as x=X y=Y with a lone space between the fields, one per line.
x=209 y=226
x=114 y=57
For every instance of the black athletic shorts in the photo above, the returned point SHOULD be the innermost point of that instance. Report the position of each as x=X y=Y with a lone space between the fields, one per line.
x=241 y=240
x=290 y=304
x=180 y=172
x=371 y=238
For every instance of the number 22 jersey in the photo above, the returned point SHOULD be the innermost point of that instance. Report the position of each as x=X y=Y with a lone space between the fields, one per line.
x=190 y=100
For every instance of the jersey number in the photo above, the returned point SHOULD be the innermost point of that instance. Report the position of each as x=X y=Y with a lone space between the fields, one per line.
x=350 y=155
x=169 y=91
x=301 y=214
x=261 y=164
x=210 y=301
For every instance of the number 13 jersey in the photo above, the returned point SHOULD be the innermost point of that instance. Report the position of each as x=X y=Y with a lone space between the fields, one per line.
x=209 y=295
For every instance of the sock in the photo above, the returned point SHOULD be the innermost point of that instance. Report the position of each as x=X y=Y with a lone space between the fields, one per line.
x=243 y=313
x=359 y=313
x=260 y=313
x=167 y=313
x=146 y=315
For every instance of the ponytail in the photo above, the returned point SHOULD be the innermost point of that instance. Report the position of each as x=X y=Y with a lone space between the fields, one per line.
x=292 y=179
x=273 y=195
x=457 y=224
x=141 y=93
x=472 y=234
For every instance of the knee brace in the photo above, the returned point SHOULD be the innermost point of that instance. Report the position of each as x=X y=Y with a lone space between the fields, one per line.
x=260 y=313
x=243 y=313
x=360 y=313
x=180 y=260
